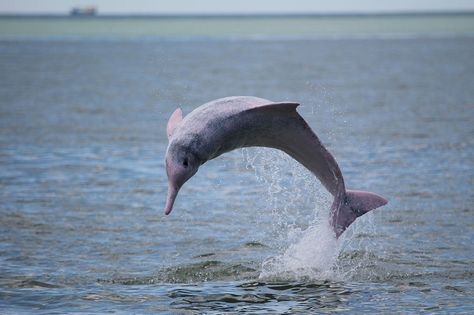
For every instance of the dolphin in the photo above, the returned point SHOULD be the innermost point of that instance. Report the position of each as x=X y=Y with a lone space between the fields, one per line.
x=235 y=122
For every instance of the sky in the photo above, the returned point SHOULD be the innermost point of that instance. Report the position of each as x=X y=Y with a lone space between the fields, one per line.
x=236 y=6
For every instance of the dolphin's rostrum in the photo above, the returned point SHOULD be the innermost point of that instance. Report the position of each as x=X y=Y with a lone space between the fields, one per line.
x=244 y=121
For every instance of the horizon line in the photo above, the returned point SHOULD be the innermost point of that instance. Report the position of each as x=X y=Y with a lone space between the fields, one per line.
x=253 y=14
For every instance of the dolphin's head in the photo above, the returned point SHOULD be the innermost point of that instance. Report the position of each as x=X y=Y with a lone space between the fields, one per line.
x=181 y=165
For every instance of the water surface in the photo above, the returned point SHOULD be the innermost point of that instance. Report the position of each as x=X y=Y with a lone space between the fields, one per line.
x=82 y=179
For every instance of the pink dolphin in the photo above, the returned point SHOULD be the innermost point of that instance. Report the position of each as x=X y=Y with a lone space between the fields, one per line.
x=244 y=121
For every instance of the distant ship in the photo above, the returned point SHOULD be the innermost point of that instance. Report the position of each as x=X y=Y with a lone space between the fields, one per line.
x=83 y=11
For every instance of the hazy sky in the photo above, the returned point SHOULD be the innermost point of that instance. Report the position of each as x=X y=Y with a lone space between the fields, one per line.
x=236 y=6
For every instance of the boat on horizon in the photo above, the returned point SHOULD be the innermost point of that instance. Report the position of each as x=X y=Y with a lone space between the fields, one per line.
x=83 y=11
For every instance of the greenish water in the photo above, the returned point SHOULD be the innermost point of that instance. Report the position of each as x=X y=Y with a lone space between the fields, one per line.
x=280 y=26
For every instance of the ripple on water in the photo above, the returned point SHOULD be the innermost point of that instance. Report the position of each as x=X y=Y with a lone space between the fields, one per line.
x=209 y=270
x=264 y=297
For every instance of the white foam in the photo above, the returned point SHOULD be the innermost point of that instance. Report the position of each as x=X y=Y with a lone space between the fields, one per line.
x=312 y=254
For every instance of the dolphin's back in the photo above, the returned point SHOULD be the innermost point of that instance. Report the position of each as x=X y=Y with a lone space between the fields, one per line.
x=245 y=121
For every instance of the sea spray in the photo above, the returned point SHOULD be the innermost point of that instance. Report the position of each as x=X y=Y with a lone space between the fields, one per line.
x=299 y=208
x=312 y=255
x=291 y=193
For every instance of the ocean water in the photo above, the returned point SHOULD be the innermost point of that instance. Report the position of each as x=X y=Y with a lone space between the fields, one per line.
x=83 y=112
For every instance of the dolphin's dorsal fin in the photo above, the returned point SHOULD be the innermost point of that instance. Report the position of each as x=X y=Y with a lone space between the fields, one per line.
x=174 y=121
x=279 y=106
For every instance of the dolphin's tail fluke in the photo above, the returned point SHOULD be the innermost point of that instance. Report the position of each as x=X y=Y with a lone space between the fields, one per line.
x=352 y=205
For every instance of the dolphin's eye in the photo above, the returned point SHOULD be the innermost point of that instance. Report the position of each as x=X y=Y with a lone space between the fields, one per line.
x=185 y=162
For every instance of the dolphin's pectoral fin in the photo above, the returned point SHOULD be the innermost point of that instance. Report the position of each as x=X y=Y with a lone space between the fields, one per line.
x=174 y=120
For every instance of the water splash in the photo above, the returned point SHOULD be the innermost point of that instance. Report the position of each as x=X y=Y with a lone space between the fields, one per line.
x=291 y=193
x=300 y=230
x=312 y=255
